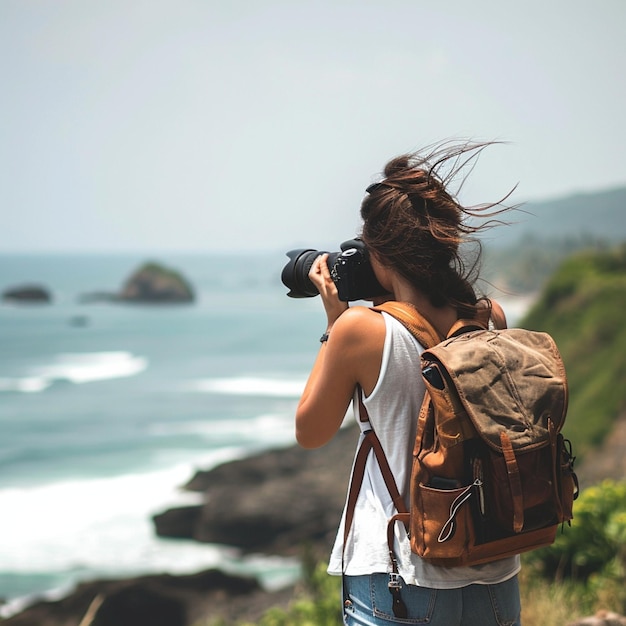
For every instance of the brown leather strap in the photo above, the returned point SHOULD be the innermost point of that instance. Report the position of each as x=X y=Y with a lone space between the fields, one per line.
x=515 y=483
x=363 y=414
x=404 y=518
x=370 y=443
x=358 y=471
x=556 y=467
x=383 y=464
x=425 y=415
x=417 y=324
x=428 y=335
x=498 y=316
x=487 y=311
x=463 y=326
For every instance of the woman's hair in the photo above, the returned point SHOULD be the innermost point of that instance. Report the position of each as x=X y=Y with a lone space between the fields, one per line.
x=414 y=224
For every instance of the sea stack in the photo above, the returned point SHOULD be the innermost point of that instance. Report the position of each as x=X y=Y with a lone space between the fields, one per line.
x=154 y=283
x=35 y=294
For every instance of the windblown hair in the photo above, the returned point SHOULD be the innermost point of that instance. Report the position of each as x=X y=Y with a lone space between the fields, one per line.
x=413 y=222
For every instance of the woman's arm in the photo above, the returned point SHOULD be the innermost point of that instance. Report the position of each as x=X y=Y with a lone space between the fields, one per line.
x=352 y=355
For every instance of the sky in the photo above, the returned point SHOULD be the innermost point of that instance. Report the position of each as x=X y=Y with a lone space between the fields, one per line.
x=242 y=125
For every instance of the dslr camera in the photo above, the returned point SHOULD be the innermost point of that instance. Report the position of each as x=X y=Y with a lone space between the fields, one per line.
x=350 y=270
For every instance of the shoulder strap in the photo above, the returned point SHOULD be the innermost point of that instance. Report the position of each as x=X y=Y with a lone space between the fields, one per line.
x=370 y=443
x=417 y=324
x=425 y=332
x=490 y=311
x=497 y=315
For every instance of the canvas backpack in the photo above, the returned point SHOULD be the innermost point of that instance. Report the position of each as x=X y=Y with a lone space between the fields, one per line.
x=492 y=475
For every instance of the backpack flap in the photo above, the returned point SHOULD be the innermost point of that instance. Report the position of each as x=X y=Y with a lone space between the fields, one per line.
x=510 y=381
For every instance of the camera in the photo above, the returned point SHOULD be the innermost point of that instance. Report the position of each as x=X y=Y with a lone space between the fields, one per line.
x=350 y=270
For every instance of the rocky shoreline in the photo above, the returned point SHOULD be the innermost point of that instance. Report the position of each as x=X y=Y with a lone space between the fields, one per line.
x=271 y=503
x=158 y=600
x=284 y=502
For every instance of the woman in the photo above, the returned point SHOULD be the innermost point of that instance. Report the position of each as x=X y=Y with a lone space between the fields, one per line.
x=413 y=228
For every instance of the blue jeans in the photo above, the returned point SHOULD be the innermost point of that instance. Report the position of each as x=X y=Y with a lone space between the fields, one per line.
x=368 y=603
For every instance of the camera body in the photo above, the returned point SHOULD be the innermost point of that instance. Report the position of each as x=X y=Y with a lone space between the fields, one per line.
x=350 y=270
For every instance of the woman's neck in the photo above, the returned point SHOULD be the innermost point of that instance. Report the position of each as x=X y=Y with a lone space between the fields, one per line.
x=442 y=318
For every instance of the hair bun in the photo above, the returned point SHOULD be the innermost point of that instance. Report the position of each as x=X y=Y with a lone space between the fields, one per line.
x=397 y=165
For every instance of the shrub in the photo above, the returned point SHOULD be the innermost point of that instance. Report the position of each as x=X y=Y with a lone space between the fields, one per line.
x=593 y=550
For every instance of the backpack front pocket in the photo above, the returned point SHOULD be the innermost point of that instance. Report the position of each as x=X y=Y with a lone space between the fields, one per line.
x=444 y=528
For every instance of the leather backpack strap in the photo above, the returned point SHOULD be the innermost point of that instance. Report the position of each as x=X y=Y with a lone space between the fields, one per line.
x=489 y=311
x=498 y=316
x=425 y=332
x=370 y=443
x=514 y=480
x=416 y=323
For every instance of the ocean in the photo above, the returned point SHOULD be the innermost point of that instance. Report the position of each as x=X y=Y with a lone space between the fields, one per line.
x=107 y=409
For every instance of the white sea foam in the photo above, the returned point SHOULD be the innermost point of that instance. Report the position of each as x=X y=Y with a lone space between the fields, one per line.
x=84 y=529
x=83 y=523
x=270 y=429
x=88 y=367
x=250 y=386
x=77 y=368
x=28 y=384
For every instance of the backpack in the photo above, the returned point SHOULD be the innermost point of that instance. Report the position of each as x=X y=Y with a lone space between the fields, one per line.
x=492 y=475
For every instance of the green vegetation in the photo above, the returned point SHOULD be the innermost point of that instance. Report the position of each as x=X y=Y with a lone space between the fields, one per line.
x=588 y=560
x=595 y=544
x=522 y=254
x=583 y=307
x=527 y=264
x=317 y=603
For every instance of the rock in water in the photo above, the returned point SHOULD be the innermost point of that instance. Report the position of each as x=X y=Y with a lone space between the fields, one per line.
x=27 y=293
x=154 y=283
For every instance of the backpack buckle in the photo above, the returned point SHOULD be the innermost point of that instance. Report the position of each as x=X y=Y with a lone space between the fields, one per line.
x=395 y=582
x=398 y=606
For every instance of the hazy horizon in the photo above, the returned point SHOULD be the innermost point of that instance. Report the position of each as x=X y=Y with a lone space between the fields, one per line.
x=172 y=127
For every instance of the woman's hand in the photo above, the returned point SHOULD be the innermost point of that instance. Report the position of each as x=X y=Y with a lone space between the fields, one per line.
x=320 y=277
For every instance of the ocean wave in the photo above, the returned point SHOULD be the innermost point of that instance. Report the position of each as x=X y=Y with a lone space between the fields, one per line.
x=268 y=428
x=27 y=384
x=248 y=386
x=77 y=368
x=98 y=523
x=101 y=527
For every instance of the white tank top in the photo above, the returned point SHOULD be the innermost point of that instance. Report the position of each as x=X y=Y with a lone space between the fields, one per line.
x=393 y=407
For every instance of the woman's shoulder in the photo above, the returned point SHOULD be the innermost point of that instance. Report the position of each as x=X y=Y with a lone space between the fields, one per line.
x=358 y=322
x=360 y=318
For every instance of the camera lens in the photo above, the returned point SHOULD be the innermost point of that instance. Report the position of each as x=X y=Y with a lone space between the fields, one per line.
x=295 y=275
